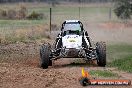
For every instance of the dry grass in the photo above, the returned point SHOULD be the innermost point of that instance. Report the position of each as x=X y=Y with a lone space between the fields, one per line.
x=94 y=17
x=24 y=35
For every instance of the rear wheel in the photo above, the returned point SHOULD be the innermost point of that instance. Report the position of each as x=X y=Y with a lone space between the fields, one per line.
x=101 y=53
x=44 y=55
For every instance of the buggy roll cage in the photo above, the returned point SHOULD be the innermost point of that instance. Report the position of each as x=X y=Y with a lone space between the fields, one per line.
x=65 y=22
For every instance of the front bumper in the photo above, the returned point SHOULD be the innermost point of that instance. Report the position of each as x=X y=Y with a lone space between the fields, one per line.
x=70 y=52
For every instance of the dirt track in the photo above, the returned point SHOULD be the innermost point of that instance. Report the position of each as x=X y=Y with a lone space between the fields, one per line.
x=19 y=67
x=28 y=74
x=32 y=76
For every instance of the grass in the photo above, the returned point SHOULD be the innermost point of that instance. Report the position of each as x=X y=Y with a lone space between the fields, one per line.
x=16 y=24
x=99 y=73
x=59 y=14
x=124 y=64
x=25 y=34
x=118 y=51
x=120 y=56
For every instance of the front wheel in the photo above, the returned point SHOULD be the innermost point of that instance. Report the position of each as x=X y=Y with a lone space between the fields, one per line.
x=101 y=53
x=44 y=55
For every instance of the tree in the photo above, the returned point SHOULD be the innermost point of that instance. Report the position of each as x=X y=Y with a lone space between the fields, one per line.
x=123 y=9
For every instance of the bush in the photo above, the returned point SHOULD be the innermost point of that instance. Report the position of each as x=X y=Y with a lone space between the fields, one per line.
x=14 y=14
x=3 y=13
x=22 y=13
x=11 y=14
x=123 y=9
x=35 y=16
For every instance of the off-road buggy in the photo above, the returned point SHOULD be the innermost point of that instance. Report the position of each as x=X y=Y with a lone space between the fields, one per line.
x=73 y=42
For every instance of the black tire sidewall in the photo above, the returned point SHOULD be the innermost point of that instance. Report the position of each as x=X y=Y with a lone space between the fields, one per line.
x=44 y=55
x=101 y=53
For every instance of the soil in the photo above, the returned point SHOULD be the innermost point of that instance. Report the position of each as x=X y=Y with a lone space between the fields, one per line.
x=61 y=74
x=19 y=66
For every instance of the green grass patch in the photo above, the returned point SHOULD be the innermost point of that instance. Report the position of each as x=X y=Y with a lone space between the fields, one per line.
x=120 y=56
x=118 y=51
x=124 y=64
x=8 y=24
x=99 y=73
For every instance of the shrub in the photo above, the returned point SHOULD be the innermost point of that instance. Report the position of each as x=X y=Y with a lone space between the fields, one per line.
x=14 y=14
x=123 y=9
x=22 y=13
x=35 y=16
x=3 y=13
x=11 y=14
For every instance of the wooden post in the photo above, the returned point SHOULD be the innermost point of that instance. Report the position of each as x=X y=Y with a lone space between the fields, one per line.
x=50 y=18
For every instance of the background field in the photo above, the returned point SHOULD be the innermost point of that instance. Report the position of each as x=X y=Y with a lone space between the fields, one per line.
x=20 y=41
x=88 y=14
